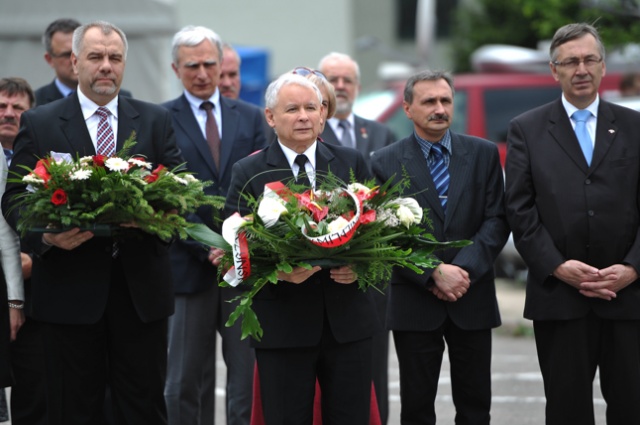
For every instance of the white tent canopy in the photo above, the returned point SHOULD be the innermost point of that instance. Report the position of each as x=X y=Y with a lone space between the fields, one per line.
x=148 y=24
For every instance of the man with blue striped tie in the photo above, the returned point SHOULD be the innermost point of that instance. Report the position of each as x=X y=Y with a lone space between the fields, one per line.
x=458 y=178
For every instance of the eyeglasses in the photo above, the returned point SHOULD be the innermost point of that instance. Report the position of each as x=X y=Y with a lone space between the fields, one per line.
x=304 y=71
x=573 y=63
x=65 y=55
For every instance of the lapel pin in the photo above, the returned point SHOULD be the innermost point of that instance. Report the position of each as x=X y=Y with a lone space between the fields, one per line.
x=363 y=132
x=611 y=131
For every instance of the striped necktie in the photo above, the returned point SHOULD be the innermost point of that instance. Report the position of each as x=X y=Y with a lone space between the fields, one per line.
x=440 y=173
x=105 y=144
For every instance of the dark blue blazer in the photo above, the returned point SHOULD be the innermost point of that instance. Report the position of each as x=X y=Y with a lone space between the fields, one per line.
x=475 y=211
x=242 y=134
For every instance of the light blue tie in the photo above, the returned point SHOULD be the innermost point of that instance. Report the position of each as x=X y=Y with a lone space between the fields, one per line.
x=580 y=117
x=440 y=173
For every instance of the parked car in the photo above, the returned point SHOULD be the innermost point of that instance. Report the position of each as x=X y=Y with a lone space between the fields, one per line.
x=484 y=105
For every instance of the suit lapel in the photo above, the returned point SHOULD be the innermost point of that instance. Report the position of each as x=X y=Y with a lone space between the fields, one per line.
x=362 y=136
x=606 y=132
x=127 y=121
x=230 y=118
x=328 y=136
x=562 y=132
x=74 y=127
x=189 y=125
x=459 y=167
x=418 y=171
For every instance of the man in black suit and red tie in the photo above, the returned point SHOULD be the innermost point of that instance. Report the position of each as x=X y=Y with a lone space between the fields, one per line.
x=572 y=193
x=458 y=178
x=211 y=141
x=101 y=307
x=316 y=322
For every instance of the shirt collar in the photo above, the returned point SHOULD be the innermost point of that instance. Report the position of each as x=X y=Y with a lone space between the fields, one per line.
x=89 y=107
x=335 y=122
x=291 y=155
x=593 y=108
x=195 y=102
x=445 y=142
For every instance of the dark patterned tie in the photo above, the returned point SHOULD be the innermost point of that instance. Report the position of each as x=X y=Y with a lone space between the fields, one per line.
x=580 y=117
x=347 y=140
x=211 y=130
x=106 y=144
x=302 y=178
x=440 y=174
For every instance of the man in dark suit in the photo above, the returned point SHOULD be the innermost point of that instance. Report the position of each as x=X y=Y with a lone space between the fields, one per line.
x=366 y=136
x=100 y=305
x=572 y=194
x=201 y=305
x=346 y=128
x=57 y=44
x=316 y=322
x=458 y=178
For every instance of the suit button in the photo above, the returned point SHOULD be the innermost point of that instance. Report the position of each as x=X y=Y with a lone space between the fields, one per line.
x=591 y=213
x=587 y=181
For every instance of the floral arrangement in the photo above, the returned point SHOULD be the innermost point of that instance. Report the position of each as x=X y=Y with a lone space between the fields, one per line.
x=98 y=192
x=372 y=228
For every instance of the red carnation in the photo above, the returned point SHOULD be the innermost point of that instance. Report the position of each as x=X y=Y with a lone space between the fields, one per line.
x=59 y=197
x=98 y=160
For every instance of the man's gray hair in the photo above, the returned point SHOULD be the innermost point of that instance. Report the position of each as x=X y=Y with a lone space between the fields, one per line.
x=273 y=91
x=192 y=36
x=106 y=28
x=229 y=47
x=426 y=75
x=571 y=32
x=340 y=57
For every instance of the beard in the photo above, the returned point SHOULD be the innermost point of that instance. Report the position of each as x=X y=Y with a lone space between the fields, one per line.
x=104 y=90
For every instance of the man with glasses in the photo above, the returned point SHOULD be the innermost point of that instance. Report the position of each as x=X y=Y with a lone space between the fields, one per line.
x=57 y=42
x=366 y=136
x=573 y=203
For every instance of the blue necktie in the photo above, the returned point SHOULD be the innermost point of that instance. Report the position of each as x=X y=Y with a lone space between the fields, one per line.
x=346 y=140
x=580 y=117
x=8 y=153
x=440 y=173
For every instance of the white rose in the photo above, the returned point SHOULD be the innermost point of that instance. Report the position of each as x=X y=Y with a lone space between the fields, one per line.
x=270 y=210
x=405 y=216
x=412 y=205
x=337 y=225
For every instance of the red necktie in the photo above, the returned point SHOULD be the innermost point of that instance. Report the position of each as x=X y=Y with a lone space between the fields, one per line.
x=211 y=130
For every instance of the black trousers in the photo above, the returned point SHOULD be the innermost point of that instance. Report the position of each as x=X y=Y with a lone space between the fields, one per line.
x=119 y=349
x=288 y=377
x=570 y=351
x=420 y=359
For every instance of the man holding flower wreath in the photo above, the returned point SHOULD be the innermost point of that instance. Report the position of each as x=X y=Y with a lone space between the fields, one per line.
x=316 y=321
x=104 y=304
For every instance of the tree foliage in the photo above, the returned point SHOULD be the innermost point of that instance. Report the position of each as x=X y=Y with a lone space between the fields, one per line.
x=525 y=22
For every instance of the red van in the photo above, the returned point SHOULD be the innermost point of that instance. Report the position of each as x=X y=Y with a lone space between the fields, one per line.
x=484 y=103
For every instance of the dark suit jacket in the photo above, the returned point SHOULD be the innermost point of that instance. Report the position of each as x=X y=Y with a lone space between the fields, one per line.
x=475 y=211
x=561 y=209
x=370 y=136
x=71 y=287
x=242 y=134
x=293 y=315
x=48 y=93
